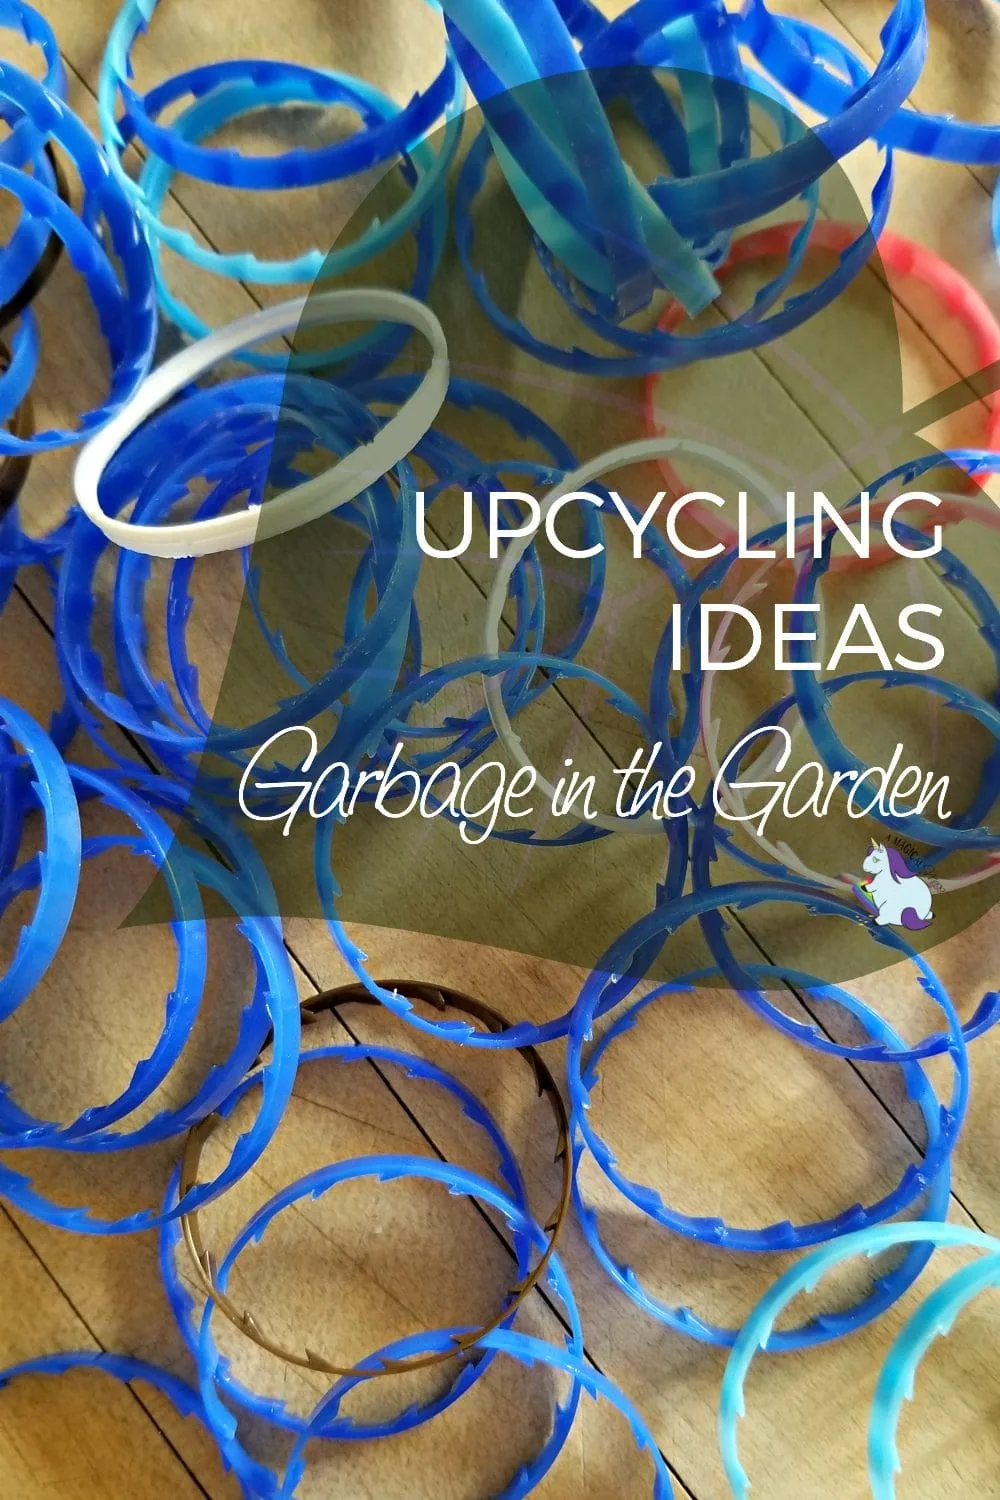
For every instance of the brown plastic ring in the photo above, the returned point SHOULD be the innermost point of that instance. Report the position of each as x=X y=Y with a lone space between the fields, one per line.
x=47 y=261
x=14 y=468
x=442 y=998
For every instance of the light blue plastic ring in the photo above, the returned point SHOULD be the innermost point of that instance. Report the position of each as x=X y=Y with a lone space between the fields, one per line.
x=805 y=1276
x=934 y=1318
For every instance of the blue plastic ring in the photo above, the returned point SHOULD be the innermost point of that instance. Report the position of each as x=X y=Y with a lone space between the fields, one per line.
x=273 y=1409
x=668 y=918
x=278 y=1079
x=824 y=1328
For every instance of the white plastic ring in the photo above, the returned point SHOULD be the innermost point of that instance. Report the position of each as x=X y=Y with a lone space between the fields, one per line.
x=304 y=502
x=629 y=453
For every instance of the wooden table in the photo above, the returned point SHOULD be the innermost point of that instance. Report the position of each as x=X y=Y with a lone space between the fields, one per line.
x=710 y=1105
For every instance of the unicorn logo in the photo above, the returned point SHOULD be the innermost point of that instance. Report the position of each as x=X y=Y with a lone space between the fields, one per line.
x=895 y=896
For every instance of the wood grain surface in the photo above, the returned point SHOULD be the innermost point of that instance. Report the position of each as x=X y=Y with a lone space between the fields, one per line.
x=720 y=1112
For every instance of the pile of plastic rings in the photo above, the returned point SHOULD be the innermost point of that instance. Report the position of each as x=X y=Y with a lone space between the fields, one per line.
x=636 y=258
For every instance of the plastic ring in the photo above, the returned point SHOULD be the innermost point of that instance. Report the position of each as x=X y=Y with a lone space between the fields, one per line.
x=121 y=1367
x=300 y=167
x=901 y=258
x=155 y=841
x=332 y=1000
x=19 y=146
x=37 y=267
x=936 y=1316
x=127 y=316
x=628 y=453
x=225 y=102
x=804 y=1276
x=886 y=1291
x=274 y=1410
x=277 y=1079
x=620 y=959
x=58 y=863
x=307 y=501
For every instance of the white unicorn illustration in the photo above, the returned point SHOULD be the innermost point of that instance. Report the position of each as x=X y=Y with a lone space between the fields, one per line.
x=897 y=896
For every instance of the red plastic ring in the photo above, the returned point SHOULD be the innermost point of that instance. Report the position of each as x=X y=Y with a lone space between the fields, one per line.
x=900 y=257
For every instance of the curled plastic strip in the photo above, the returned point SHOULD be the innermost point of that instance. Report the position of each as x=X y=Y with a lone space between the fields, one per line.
x=654 y=350
x=700 y=206
x=277 y=1080
x=127 y=316
x=650 y=103
x=668 y=918
x=122 y=1367
x=805 y=1276
x=558 y=152
x=825 y=1327
x=531 y=1351
x=699 y=41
